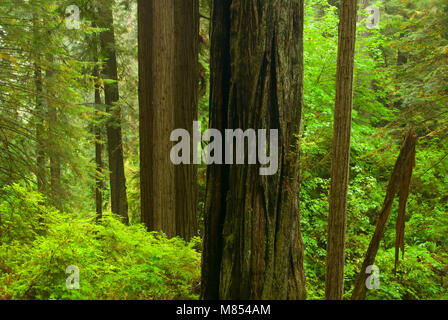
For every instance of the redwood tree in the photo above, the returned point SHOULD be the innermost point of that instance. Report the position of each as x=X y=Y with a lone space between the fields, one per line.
x=39 y=106
x=168 y=80
x=99 y=169
x=253 y=247
x=119 y=201
x=337 y=218
x=56 y=191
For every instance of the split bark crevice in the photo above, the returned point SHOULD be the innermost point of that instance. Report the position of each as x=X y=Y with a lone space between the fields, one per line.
x=253 y=246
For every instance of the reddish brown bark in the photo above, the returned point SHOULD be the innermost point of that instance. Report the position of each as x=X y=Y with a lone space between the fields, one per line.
x=168 y=78
x=253 y=247
x=337 y=217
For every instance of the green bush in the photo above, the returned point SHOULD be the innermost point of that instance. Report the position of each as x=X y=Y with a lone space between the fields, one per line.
x=115 y=261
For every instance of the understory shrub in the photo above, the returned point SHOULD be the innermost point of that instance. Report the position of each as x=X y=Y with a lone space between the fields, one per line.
x=38 y=243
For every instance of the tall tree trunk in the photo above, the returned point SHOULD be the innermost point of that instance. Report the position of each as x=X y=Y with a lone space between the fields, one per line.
x=217 y=175
x=253 y=247
x=337 y=218
x=156 y=87
x=99 y=166
x=363 y=4
x=186 y=17
x=113 y=126
x=39 y=109
x=55 y=164
x=168 y=74
x=40 y=158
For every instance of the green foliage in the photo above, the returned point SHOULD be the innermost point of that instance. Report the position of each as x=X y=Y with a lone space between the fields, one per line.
x=383 y=95
x=400 y=80
x=115 y=261
x=21 y=214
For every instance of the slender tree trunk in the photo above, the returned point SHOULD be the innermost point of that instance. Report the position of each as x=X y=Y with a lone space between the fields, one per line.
x=253 y=246
x=363 y=4
x=40 y=160
x=168 y=64
x=98 y=127
x=39 y=110
x=99 y=170
x=55 y=163
x=113 y=126
x=337 y=218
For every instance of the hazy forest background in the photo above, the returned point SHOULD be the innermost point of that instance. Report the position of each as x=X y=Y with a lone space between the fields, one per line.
x=74 y=190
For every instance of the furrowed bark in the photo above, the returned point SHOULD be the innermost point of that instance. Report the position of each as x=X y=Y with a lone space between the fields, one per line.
x=186 y=17
x=217 y=175
x=156 y=71
x=168 y=74
x=337 y=217
x=252 y=221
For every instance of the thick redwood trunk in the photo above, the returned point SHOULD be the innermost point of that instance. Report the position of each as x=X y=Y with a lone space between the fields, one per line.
x=119 y=201
x=186 y=77
x=337 y=218
x=168 y=52
x=253 y=247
